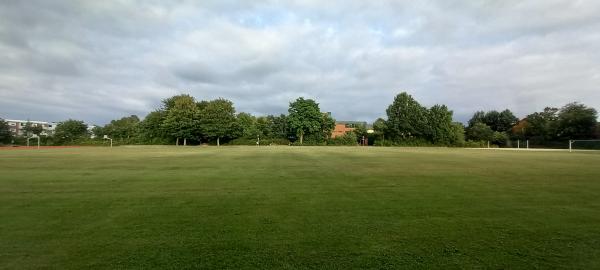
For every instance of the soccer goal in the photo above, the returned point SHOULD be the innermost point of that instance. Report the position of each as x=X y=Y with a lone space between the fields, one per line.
x=589 y=143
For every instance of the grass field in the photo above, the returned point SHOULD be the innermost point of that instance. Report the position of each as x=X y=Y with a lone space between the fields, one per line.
x=298 y=208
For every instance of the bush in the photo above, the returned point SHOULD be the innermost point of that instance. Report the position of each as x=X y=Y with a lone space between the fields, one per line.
x=409 y=142
x=346 y=139
x=475 y=144
x=500 y=139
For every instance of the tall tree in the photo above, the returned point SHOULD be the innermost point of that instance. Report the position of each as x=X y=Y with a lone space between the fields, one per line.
x=542 y=125
x=248 y=125
x=150 y=129
x=124 y=128
x=379 y=127
x=506 y=120
x=181 y=120
x=478 y=117
x=5 y=134
x=406 y=118
x=264 y=126
x=305 y=117
x=480 y=132
x=327 y=126
x=440 y=125
x=98 y=131
x=279 y=127
x=577 y=121
x=70 y=130
x=218 y=119
x=497 y=121
x=458 y=134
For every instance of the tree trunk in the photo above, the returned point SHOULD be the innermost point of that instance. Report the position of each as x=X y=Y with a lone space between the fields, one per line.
x=177 y=142
x=301 y=137
x=218 y=142
x=184 y=141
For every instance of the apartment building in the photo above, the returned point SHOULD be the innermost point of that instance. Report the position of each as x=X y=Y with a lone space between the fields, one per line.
x=17 y=127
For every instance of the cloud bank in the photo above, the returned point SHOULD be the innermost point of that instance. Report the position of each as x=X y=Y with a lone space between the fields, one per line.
x=101 y=60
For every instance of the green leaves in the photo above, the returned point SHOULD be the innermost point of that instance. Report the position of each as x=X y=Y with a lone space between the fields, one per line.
x=408 y=120
x=218 y=119
x=123 y=128
x=305 y=118
x=497 y=121
x=70 y=130
x=576 y=121
x=182 y=117
x=5 y=135
x=480 y=132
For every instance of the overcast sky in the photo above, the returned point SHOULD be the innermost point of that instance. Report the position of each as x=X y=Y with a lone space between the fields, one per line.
x=101 y=60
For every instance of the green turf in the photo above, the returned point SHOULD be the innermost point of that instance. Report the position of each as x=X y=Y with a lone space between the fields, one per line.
x=298 y=208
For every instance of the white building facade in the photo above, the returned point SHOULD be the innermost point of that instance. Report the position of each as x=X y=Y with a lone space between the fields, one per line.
x=17 y=127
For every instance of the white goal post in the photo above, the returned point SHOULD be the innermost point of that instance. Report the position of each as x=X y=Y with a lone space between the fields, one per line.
x=573 y=141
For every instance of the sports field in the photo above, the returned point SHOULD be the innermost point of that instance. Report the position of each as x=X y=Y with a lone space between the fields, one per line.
x=298 y=208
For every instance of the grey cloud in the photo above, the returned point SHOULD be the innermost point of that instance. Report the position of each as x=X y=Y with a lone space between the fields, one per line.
x=102 y=60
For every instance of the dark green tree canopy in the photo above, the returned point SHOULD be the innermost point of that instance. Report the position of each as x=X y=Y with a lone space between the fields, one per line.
x=440 y=129
x=497 y=121
x=150 y=129
x=279 y=127
x=407 y=123
x=480 y=132
x=379 y=125
x=5 y=135
x=576 y=121
x=247 y=124
x=305 y=117
x=70 y=130
x=406 y=118
x=218 y=119
x=478 y=117
x=181 y=120
x=327 y=126
x=264 y=126
x=458 y=134
x=542 y=125
x=123 y=128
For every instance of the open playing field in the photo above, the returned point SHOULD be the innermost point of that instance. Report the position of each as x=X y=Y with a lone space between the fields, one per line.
x=298 y=207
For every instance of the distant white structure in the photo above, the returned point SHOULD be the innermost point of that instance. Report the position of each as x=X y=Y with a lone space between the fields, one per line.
x=89 y=129
x=16 y=127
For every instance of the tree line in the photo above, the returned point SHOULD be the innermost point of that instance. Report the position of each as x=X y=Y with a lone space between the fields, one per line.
x=552 y=126
x=183 y=120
